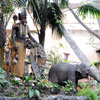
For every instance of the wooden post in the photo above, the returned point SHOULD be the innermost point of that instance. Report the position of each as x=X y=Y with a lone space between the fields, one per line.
x=34 y=67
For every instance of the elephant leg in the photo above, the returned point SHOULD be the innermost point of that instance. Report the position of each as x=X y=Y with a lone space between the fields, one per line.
x=73 y=79
x=53 y=78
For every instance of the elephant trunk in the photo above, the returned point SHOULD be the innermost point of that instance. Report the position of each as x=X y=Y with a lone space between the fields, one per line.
x=92 y=74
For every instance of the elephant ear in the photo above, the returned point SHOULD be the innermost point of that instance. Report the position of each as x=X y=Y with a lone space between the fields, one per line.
x=78 y=69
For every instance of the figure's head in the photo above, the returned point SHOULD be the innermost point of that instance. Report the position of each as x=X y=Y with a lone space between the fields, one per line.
x=22 y=16
x=82 y=71
x=15 y=17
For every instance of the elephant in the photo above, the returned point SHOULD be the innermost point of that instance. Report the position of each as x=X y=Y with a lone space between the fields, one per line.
x=61 y=72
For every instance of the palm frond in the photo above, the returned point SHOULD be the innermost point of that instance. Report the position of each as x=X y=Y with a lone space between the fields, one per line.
x=63 y=4
x=36 y=10
x=20 y=3
x=88 y=9
x=54 y=17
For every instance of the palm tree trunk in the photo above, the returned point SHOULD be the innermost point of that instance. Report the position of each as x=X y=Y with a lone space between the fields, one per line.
x=87 y=28
x=43 y=24
x=74 y=47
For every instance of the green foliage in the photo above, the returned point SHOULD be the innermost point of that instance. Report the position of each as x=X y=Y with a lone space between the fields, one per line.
x=26 y=78
x=53 y=56
x=87 y=9
x=15 y=82
x=54 y=14
x=3 y=81
x=61 y=45
x=66 y=61
x=42 y=83
x=21 y=3
x=64 y=3
x=69 y=87
x=45 y=85
x=89 y=93
x=6 y=6
x=37 y=92
x=95 y=63
x=36 y=10
x=98 y=89
x=34 y=92
x=31 y=93
x=84 y=85
x=54 y=17
x=54 y=86
x=10 y=94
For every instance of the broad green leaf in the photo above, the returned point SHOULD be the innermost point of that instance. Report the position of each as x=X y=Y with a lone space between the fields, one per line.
x=29 y=78
x=2 y=76
x=31 y=93
x=15 y=82
x=37 y=92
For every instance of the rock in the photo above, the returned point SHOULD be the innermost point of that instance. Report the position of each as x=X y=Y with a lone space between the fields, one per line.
x=64 y=97
x=13 y=98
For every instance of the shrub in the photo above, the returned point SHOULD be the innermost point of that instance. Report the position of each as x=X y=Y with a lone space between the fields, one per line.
x=3 y=81
x=88 y=93
x=69 y=87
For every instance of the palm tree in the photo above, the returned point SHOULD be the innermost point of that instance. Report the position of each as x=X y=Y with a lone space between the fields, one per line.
x=44 y=12
x=42 y=17
x=84 y=11
x=53 y=17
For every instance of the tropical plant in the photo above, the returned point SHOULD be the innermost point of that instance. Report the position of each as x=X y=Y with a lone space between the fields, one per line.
x=88 y=9
x=46 y=13
x=54 y=16
x=84 y=10
x=53 y=56
x=3 y=81
x=15 y=82
x=34 y=93
x=90 y=94
x=6 y=6
x=10 y=94
x=43 y=12
x=95 y=63
x=42 y=84
x=98 y=90
x=26 y=78
x=54 y=88
x=69 y=87
x=83 y=85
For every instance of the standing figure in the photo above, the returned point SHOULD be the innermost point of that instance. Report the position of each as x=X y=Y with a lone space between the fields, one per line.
x=20 y=37
x=18 y=50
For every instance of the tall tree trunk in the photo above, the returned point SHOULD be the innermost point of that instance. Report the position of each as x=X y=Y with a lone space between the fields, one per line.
x=77 y=51
x=42 y=35
x=43 y=24
x=74 y=47
x=87 y=28
x=2 y=31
